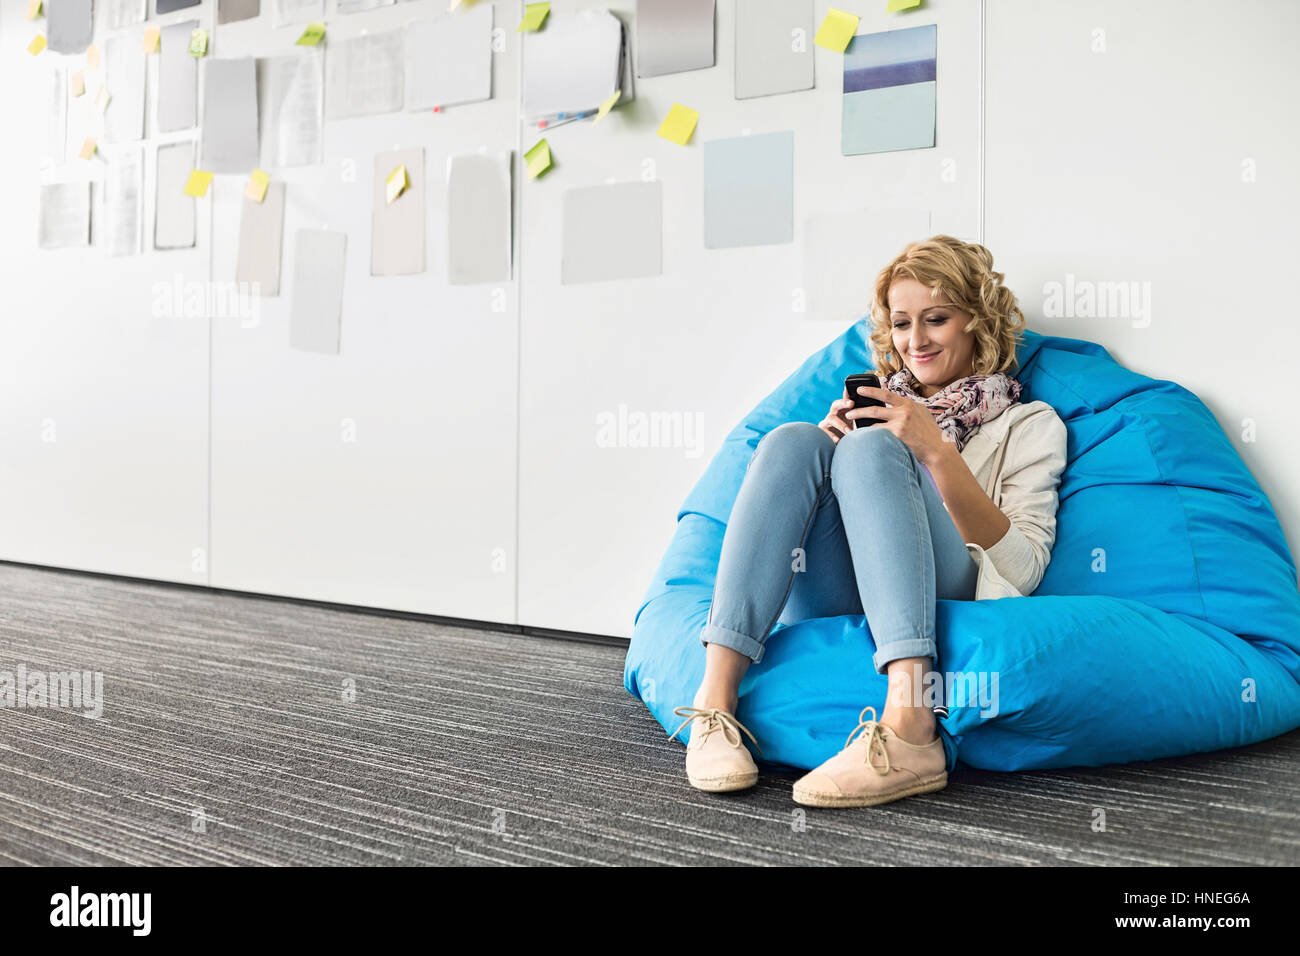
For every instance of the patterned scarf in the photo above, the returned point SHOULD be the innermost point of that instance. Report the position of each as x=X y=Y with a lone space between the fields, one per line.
x=962 y=406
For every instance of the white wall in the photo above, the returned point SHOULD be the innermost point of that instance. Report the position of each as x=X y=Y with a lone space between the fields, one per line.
x=476 y=429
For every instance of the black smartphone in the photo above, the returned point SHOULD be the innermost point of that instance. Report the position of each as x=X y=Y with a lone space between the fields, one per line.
x=852 y=383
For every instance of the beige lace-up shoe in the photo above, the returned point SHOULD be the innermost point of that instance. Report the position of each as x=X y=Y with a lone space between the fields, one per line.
x=716 y=757
x=878 y=767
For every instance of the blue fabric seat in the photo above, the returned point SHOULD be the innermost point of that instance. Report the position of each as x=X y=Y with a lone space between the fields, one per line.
x=1167 y=623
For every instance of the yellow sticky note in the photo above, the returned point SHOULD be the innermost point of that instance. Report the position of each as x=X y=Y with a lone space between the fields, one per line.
x=87 y=148
x=150 y=42
x=836 y=30
x=257 y=183
x=679 y=124
x=102 y=97
x=197 y=184
x=312 y=36
x=534 y=14
x=76 y=84
x=538 y=158
x=397 y=182
x=896 y=5
x=92 y=57
x=607 y=105
x=37 y=45
x=199 y=43
x=33 y=9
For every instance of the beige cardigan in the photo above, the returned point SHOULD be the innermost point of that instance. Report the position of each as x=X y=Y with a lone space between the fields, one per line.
x=1018 y=458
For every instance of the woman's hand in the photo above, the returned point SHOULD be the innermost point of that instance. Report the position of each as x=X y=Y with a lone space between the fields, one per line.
x=909 y=420
x=834 y=424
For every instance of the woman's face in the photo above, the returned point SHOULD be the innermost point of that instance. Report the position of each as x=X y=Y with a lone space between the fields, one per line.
x=928 y=335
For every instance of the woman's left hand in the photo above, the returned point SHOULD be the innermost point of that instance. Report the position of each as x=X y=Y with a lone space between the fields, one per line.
x=909 y=420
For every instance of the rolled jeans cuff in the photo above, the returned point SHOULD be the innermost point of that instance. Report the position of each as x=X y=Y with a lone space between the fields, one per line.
x=741 y=643
x=897 y=650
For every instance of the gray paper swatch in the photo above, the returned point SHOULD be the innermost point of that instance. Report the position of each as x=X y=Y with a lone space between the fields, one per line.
x=767 y=58
x=123 y=225
x=232 y=11
x=749 y=190
x=178 y=76
x=364 y=75
x=229 y=142
x=261 y=228
x=69 y=25
x=612 y=232
x=125 y=13
x=673 y=36
x=478 y=218
x=319 y=261
x=291 y=102
x=65 y=215
x=171 y=6
x=397 y=229
x=124 y=70
x=449 y=59
x=173 y=226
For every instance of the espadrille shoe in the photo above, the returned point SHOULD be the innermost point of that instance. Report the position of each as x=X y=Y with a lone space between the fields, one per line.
x=716 y=758
x=878 y=767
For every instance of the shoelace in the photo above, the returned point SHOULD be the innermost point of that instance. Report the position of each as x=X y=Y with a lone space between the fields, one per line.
x=875 y=742
x=714 y=719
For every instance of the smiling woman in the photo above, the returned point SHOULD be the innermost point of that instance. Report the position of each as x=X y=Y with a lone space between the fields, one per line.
x=885 y=520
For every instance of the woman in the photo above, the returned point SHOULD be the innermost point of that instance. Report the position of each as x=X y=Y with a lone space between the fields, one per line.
x=948 y=491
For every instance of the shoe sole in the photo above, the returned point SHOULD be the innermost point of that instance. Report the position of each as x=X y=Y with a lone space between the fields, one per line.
x=814 y=799
x=734 y=781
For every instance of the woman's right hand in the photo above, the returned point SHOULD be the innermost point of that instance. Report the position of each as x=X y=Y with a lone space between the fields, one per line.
x=835 y=424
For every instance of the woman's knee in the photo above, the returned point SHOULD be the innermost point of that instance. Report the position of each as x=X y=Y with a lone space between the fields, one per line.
x=868 y=448
x=797 y=437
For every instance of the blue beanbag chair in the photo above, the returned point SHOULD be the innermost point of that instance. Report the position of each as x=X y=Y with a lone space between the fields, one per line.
x=1167 y=623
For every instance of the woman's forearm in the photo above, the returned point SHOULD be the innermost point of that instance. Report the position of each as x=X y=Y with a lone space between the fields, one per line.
x=978 y=519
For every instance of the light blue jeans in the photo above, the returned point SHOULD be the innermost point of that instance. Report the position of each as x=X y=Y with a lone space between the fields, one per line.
x=875 y=539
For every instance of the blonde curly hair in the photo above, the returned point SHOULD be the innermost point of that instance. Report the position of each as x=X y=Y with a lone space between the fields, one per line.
x=963 y=272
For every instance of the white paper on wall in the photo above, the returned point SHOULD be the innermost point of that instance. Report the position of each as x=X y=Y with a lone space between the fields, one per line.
x=364 y=75
x=56 y=144
x=291 y=101
x=284 y=12
x=397 y=228
x=125 y=13
x=65 y=215
x=478 y=218
x=449 y=59
x=612 y=231
x=173 y=210
x=319 y=262
x=261 y=230
x=123 y=203
x=229 y=143
x=178 y=77
x=124 y=71
x=673 y=36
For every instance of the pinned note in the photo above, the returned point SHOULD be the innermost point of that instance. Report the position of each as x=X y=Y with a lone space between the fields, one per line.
x=87 y=148
x=34 y=9
x=197 y=184
x=836 y=30
x=312 y=35
x=150 y=42
x=257 y=183
x=102 y=97
x=37 y=44
x=92 y=58
x=76 y=84
x=896 y=5
x=538 y=158
x=395 y=184
x=606 y=105
x=534 y=14
x=679 y=124
x=199 y=43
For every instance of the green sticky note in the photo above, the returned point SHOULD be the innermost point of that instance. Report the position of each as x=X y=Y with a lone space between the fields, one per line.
x=896 y=5
x=538 y=159
x=534 y=14
x=836 y=30
x=199 y=43
x=311 y=36
x=679 y=124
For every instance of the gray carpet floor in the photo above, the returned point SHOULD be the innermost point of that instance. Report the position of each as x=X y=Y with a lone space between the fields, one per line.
x=232 y=736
